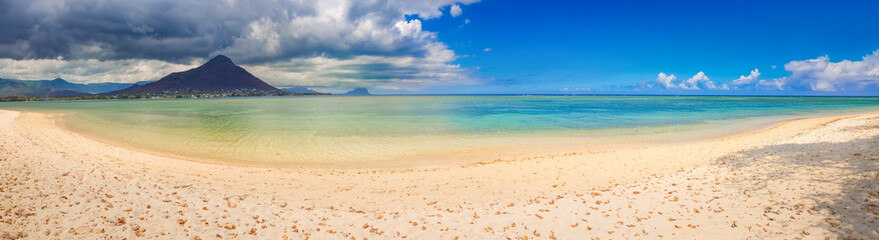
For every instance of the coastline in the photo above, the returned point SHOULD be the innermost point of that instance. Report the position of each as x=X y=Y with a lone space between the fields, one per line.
x=71 y=185
x=511 y=147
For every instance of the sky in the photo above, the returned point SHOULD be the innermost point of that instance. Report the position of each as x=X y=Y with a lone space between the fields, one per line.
x=458 y=47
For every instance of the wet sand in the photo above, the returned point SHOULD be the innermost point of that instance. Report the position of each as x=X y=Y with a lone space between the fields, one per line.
x=809 y=178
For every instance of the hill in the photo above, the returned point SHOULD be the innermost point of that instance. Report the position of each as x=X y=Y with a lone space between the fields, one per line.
x=219 y=75
x=20 y=88
x=59 y=83
x=62 y=84
x=357 y=92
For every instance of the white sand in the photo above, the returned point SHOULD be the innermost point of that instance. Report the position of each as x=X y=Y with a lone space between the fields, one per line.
x=811 y=178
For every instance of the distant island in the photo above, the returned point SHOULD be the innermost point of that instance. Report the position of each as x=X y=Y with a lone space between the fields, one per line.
x=219 y=77
x=299 y=89
x=357 y=92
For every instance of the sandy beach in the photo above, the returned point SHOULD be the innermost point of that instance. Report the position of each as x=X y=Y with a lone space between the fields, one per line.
x=812 y=178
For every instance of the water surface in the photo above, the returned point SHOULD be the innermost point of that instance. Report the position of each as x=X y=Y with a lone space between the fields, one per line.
x=291 y=130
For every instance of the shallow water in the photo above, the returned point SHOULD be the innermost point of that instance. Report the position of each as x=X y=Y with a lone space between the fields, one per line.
x=291 y=130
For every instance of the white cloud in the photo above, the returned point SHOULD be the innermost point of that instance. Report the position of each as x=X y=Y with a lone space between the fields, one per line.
x=178 y=31
x=694 y=82
x=455 y=11
x=775 y=84
x=821 y=74
x=90 y=71
x=746 y=80
x=486 y=50
x=666 y=80
x=698 y=81
x=466 y=21
x=409 y=28
x=701 y=81
x=393 y=73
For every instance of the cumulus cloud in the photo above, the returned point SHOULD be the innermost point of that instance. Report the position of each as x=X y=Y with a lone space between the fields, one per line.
x=753 y=81
x=486 y=50
x=698 y=81
x=820 y=74
x=173 y=30
x=666 y=80
x=455 y=11
x=775 y=84
x=746 y=80
x=694 y=82
x=394 y=73
x=253 y=33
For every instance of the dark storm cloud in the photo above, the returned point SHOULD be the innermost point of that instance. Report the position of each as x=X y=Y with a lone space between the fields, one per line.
x=344 y=43
x=178 y=31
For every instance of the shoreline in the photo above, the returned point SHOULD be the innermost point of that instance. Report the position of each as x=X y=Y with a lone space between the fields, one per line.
x=545 y=147
x=61 y=184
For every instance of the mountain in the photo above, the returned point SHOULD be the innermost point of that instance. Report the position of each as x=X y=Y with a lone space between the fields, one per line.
x=219 y=74
x=9 y=88
x=143 y=82
x=357 y=92
x=299 y=90
x=62 y=84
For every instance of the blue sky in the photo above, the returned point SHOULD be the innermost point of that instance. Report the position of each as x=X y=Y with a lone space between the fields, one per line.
x=607 y=45
x=459 y=46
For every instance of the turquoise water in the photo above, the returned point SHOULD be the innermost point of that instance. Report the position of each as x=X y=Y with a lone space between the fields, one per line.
x=381 y=128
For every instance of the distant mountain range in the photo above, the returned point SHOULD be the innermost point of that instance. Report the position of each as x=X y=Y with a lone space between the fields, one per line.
x=17 y=88
x=219 y=74
x=299 y=90
x=55 y=88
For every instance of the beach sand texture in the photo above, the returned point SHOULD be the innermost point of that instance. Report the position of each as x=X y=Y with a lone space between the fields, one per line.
x=811 y=179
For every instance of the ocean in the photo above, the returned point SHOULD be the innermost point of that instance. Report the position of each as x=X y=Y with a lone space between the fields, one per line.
x=409 y=129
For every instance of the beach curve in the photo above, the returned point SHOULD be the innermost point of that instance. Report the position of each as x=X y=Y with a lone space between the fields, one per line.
x=60 y=184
